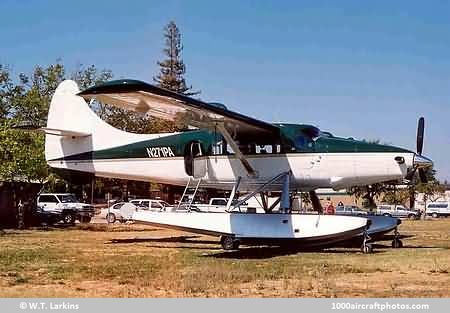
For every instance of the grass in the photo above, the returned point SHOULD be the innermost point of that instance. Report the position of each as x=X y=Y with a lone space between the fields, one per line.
x=137 y=261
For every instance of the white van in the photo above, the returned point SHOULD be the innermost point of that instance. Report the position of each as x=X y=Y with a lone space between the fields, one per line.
x=438 y=209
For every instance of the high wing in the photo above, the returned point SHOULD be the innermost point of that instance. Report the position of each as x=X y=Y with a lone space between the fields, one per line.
x=145 y=98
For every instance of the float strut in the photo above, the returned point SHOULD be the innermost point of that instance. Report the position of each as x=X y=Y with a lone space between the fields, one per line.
x=366 y=246
x=285 y=199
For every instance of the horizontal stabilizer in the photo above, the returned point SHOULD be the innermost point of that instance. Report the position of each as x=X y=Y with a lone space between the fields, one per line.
x=52 y=131
x=62 y=132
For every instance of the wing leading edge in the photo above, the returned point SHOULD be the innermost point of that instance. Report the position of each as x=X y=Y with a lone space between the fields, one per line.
x=141 y=97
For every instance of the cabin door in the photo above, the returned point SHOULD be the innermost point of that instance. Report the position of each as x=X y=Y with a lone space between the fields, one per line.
x=194 y=160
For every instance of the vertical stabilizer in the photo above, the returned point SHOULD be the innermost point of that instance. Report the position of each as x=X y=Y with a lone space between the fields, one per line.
x=73 y=128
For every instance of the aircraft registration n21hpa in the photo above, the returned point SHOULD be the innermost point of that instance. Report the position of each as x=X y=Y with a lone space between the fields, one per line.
x=221 y=149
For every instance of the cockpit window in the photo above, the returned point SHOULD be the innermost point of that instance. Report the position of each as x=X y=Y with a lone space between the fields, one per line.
x=300 y=142
x=303 y=142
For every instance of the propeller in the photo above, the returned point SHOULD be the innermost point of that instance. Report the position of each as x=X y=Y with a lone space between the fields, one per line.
x=419 y=147
x=420 y=131
x=423 y=176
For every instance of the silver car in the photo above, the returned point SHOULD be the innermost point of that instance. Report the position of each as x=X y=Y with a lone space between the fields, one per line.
x=396 y=210
x=350 y=210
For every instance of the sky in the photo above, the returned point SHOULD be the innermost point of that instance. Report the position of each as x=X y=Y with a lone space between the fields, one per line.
x=356 y=68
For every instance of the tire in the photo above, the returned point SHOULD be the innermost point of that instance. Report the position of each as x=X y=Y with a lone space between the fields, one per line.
x=229 y=243
x=435 y=215
x=411 y=216
x=397 y=243
x=85 y=219
x=367 y=248
x=68 y=218
x=111 y=218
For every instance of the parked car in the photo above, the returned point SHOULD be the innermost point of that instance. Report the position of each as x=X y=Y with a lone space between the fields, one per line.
x=219 y=205
x=438 y=209
x=121 y=211
x=151 y=204
x=54 y=207
x=350 y=210
x=396 y=210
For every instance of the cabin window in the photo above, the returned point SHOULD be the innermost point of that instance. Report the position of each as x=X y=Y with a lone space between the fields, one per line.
x=217 y=148
x=278 y=148
x=263 y=149
x=222 y=148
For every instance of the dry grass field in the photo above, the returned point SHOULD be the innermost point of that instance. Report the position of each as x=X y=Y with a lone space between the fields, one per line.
x=100 y=260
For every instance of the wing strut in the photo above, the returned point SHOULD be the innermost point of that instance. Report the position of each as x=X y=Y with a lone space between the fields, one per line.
x=250 y=170
x=262 y=188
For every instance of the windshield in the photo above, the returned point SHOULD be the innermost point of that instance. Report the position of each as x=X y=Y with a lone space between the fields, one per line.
x=118 y=206
x=68 y=198
x=303 y=142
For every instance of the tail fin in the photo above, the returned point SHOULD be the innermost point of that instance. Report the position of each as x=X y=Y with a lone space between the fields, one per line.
x=73 y=128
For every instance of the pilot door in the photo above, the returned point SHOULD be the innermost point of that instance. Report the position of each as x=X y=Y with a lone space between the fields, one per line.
x=194 y=163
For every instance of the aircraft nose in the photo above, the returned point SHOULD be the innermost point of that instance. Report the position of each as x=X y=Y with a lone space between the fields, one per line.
x=422 y=162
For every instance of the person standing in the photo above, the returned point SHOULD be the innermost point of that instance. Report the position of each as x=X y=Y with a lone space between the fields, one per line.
x=330 y=208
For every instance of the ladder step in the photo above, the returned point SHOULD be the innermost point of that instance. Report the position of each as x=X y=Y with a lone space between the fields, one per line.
x=189 y=193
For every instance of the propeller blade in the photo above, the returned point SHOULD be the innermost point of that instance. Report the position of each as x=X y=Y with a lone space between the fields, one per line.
x=420 y=131
x=410 y=175
x=422 y=176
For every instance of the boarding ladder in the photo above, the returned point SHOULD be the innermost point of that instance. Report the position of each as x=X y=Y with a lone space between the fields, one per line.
x=189 y=193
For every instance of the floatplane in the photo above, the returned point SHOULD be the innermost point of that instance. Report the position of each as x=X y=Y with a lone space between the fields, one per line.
x=225 y=150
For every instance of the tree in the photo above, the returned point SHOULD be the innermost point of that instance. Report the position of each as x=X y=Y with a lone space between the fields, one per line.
x=136 y=122
x=90 y=76
x=172 y=69
x=370 y=193
x=396 y=196
x=26 y=101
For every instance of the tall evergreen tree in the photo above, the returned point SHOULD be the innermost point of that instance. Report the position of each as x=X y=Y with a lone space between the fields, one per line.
x=172 y=69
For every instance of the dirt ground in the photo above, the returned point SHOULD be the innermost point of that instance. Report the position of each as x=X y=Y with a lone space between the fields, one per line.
x=101 y=260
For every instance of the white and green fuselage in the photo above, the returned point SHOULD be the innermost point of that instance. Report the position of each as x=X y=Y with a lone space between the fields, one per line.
x=88 y=144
